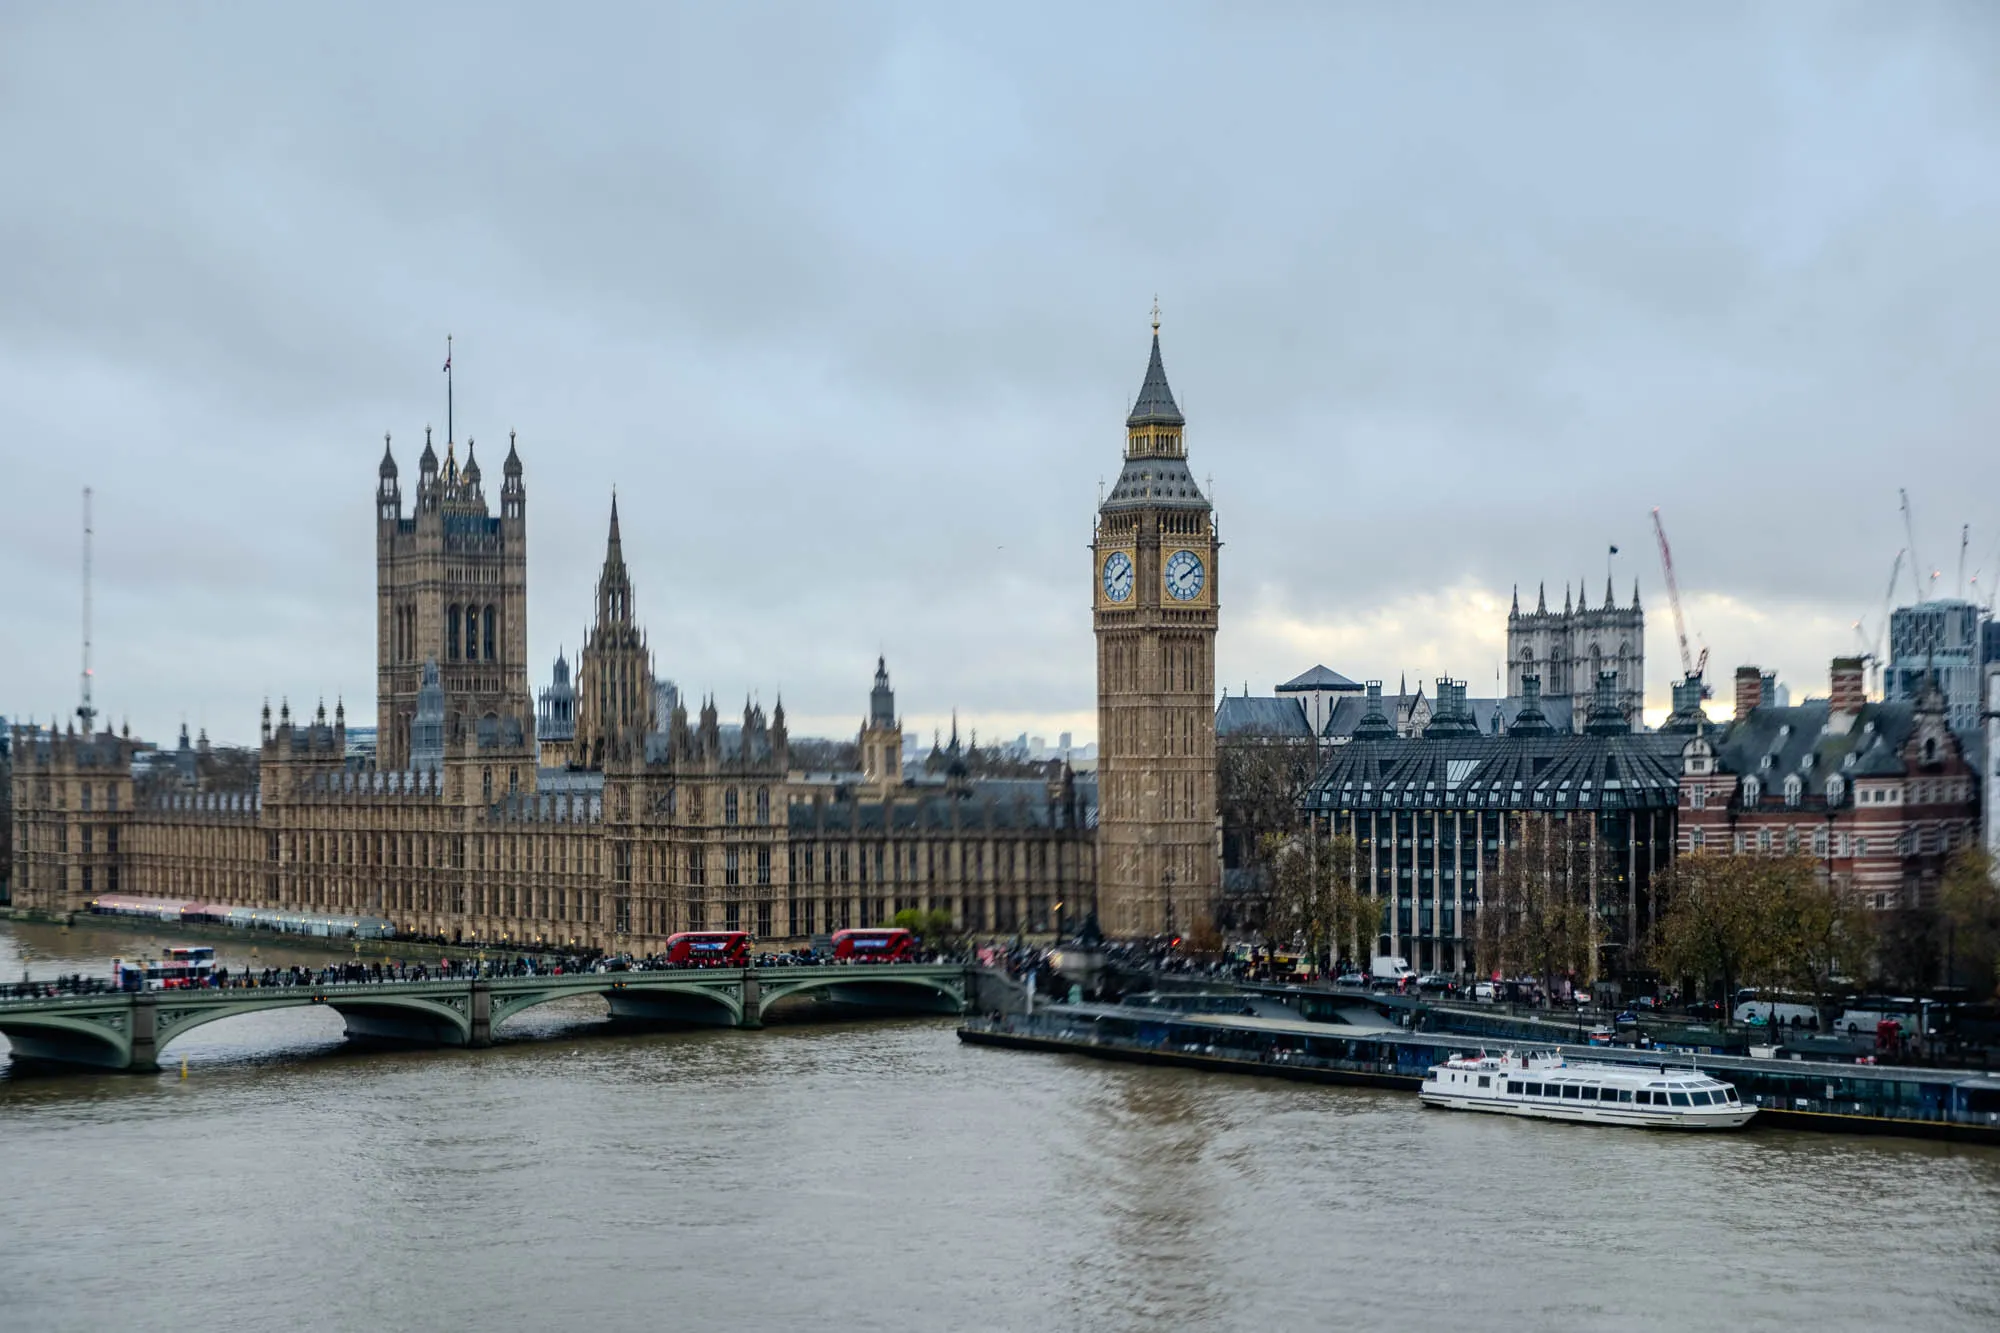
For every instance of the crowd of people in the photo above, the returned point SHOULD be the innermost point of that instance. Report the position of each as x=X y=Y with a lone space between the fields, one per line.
x=381 y=972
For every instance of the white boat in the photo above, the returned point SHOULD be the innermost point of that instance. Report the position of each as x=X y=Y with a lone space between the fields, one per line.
x=1545 y=1086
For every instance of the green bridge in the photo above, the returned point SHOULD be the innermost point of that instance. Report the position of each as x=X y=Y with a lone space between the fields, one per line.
x=127 y=1031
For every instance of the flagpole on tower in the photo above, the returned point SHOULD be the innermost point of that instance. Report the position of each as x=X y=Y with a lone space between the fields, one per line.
x=448 y=436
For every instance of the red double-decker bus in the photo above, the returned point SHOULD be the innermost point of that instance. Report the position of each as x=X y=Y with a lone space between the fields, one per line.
x=709 y=948
x=874 y=946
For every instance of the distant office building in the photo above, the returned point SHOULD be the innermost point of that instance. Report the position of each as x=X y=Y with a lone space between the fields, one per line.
x=1992 y=757
x=1942 y=636
x=1433 y=817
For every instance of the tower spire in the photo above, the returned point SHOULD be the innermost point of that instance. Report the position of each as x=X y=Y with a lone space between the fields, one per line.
x=1156 y=406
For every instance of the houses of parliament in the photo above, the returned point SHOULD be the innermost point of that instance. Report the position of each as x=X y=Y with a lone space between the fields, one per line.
x=612 y=816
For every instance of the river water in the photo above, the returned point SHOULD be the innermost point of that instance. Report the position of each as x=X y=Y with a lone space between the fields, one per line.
x=883 y=1176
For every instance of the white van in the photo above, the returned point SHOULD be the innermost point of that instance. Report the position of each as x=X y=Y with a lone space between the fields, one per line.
x=1391 y=968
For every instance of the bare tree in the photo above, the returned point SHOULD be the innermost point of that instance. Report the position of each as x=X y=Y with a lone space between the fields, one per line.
x=1259 y=785
x=1534 y=903
x=1314 y=898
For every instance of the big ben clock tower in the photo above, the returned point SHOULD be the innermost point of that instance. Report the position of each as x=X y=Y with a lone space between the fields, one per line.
x=1153 y=568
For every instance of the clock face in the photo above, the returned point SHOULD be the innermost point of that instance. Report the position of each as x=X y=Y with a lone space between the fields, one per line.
x=1118 y=576
x=1184 y=576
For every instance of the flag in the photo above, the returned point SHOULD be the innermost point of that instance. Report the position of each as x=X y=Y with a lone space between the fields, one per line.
x=1614 y=550
x=447 y=370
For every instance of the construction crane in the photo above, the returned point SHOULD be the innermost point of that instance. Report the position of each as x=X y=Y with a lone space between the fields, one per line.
x=1964 y=540
x=1910 y=535
x=1874 y=641
x=1692 y=666
x=86 y=711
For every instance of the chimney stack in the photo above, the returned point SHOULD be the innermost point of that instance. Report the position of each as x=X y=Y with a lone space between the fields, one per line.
x=1749 y=690
x=1849 y=689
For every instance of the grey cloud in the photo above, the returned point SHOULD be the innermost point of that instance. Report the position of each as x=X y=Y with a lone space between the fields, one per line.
x=847 y=301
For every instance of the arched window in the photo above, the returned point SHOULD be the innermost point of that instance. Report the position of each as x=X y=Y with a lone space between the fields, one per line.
x=451 y=634
x=1793 y=789
x=489 y=634
x=729 y=806
x=763 y=805
x=1836 y=787
x=1752 y=791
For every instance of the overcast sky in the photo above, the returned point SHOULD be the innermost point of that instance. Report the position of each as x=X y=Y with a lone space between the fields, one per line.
x=849 y=303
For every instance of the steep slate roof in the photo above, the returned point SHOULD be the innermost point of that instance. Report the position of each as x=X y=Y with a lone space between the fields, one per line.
x=1557 y=709
x=1319 y=678
x=1159 y=483
x=1278 y=719
x=1628 y=772
x=1347 y=712
x=997 y=804
x=1872 y=747
x=1156 y=405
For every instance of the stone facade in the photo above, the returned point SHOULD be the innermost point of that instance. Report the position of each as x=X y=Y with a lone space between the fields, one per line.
x=663 y=825
x=1568 y=649
x=451 y=588
x=1880 y=794
x=1157 y=590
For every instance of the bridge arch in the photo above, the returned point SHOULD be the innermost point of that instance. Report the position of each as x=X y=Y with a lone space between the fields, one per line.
x=631 y=998
x=872 y=987
x=101 y=1040
x=434 y=1020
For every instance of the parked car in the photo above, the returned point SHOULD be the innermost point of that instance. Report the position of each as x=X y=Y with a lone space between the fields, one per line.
x=1351 y=978
x=1485 y=992
x=1435 y=984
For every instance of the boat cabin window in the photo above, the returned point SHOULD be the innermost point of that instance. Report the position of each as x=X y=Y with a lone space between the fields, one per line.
x=1513 y=1087
x=1625 y=1095
x=1532 y=1089
x=1679 y=1098
x=1570 y=1092
x=1645 y=1097
x=1485 y=1082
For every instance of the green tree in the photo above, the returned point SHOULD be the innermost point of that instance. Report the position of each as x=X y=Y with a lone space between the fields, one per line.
x=1818 y=930
x=1314 y=898
x=1714 y=922
x=1534 y=902
x=1970 y=901
x=933 y=926
x=1910 y=951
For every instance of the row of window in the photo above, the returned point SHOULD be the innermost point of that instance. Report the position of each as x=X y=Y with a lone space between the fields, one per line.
x=1573 y=1092
x=1924 y=840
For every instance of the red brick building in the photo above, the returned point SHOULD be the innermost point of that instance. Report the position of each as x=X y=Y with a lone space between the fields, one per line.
x=1881 y=794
